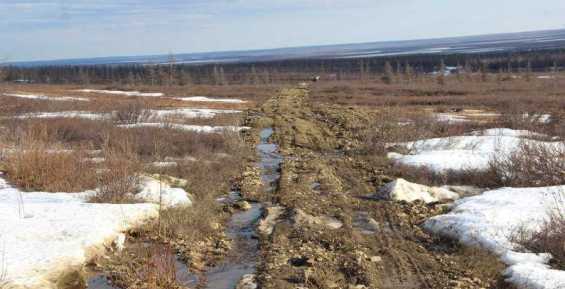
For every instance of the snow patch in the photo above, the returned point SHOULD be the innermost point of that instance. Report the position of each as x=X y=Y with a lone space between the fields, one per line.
x=67 y=114
x=56 y=230
x=472 y=152
x=152 y=190
x=402 y=190
x=490 y=219
x=126 y=93
x=189 y=112
x=186 y=127
x=45 y=97
x=208 y=99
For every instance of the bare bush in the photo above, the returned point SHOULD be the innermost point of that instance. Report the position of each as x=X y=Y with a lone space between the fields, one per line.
x=533 y=164
x=3 y=266
x=159 y=269
x=33 y=165
x=132 y=112
x=118 y=178
x=549 y=238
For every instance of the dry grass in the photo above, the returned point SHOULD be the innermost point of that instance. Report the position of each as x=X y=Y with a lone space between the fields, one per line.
x=143 y=265
x=532 y=165
x=118 y=177
x=549 y=238
x=33 y=164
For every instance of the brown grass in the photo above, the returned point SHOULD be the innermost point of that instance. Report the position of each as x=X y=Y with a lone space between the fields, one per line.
x=549 y=238
x=34 y=165
x=118 y=178
x=532 y=165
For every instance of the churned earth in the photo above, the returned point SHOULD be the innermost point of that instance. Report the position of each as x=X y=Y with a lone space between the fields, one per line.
x=321 y=228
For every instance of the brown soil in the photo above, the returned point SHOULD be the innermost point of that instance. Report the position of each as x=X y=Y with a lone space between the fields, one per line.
x=328 y=235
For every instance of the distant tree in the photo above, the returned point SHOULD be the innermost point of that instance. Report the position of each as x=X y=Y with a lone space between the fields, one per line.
x=222 y=76
x=441 y=73
x=254 y=78
x=408 y=72
x=484 y=72
x=388 y=76
x=529 y=70
x=172 y=70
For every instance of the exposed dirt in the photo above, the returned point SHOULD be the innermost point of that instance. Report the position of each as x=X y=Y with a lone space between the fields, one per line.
x=321 y=231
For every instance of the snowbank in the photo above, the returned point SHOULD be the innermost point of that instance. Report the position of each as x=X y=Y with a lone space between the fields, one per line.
x=490 y=219
x=45 y=97
x=53 y=231
x=151 y=190
x=67 y=114
x=186 y=127
x=126 y=93
x=472 y=152
x=208 y=99
x=402 y=190
x=190 y=112
x=42 y=233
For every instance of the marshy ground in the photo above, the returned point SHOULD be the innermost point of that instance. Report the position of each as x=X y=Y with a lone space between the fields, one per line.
x=306 y=165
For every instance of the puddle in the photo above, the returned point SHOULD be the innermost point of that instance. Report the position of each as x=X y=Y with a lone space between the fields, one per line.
x=242 y=259
x=183 y=276
x=270 y=162
x=99 y=281
x=365 y=224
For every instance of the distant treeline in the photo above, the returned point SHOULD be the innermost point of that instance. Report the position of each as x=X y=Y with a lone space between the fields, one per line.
x=287 y=70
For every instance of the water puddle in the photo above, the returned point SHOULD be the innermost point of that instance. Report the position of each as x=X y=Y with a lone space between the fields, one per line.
x=243 y=257
x=271 y=160
x=183 y=276
x=99 y=281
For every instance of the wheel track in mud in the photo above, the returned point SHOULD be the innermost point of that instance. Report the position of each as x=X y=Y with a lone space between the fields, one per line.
x=405 y=262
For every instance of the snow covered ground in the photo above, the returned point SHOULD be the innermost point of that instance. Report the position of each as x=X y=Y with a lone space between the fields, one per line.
x=126 y=93
x=472 y=152
x=67 y=114
x=208 y=99
x=189 y=112
x=402 y=190
x=42 y=233
x=490 y=219
x=45 y=97
x=186 y=127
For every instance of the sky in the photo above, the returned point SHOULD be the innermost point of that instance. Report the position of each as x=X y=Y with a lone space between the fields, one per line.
x=58 y=29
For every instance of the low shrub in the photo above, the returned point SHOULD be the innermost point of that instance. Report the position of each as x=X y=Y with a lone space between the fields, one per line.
x=550 y=237
x=118 y=178
x=532 y=165
x=35 y=166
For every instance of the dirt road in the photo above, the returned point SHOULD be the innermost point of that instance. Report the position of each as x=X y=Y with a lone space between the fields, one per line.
x=322 y=232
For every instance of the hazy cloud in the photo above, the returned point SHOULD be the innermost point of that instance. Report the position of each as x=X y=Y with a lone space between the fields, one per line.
x=47 y=29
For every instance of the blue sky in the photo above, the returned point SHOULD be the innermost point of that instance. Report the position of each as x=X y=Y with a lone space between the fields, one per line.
x=53 y=29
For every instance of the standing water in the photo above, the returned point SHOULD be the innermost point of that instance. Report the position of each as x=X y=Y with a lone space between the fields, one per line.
x=244 y=254
x=270 y=161
x=243 y=257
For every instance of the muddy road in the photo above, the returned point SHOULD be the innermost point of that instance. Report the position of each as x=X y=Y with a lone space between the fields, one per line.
x=320 y=230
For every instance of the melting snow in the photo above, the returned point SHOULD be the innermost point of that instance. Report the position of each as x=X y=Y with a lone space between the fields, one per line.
x=56 y=230
x=126 y=93
x=152 y=191
x=48 y=232
x=190 y=112
x=208 y=99
x=67 y=114
x=402 y=190
x=45 y=97
x=186 y=127
x=490 y=219
x=466 y=152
